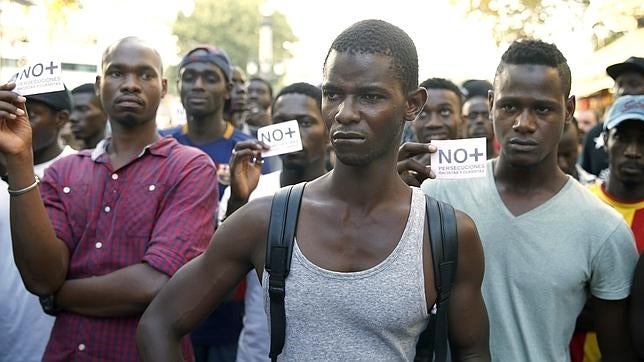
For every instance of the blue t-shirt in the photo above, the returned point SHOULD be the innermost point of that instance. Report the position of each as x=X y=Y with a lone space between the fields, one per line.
x=219 y=150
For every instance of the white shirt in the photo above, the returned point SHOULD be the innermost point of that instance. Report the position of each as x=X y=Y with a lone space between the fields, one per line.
x=24 y=327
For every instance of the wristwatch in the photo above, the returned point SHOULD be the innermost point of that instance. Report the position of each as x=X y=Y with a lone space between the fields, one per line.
x=48 y=305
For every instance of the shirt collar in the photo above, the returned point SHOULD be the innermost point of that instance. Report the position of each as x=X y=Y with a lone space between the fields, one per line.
x=161 y=147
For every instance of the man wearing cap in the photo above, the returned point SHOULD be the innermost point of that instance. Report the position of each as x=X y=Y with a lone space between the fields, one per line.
x=205 y=84
x=24 y=327
x=624 y=142
x=629 y=80
x=110 y=225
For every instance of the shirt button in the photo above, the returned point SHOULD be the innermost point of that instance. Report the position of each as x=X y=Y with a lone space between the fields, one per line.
x=115 y=176
x=81 y=347
x=99 y=245
x=151 y=187
x=107 y=209
x=66 y=189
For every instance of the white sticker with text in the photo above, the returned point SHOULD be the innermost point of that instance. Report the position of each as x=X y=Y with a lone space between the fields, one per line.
x=39 y=77
x=464 y=158
x=283 y=137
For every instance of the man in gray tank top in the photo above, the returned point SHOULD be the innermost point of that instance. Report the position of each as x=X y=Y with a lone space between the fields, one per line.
x=361 y=283
x=549 y=243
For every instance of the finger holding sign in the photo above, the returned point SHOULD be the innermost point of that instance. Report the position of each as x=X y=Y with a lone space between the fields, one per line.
x=15 y=129
x=245 y=168
x=411 y=170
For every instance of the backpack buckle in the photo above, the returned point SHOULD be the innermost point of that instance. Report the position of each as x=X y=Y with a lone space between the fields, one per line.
x=276 y=287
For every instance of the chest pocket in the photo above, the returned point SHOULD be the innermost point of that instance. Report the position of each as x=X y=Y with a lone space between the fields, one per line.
x=140 y=206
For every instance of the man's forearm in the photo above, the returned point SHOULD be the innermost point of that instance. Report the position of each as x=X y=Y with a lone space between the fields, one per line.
x=155 y=341
x=125 y=292
x=40 y=256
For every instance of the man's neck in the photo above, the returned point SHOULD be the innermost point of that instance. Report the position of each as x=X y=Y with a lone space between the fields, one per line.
x=536 y=179
x=292 y=176
x=367 y=185
x=207 y=128
x=126 y=144
x=48 y=153
x=624 y=192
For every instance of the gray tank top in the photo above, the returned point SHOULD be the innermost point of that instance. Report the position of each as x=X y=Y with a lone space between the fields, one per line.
x=370 y=315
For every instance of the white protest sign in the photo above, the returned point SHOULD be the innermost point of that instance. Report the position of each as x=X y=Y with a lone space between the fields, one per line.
x=463 y=158
x=283 y=137
x=39 y=77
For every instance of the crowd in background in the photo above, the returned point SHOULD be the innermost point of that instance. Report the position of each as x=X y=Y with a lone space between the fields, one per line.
x=123 y=207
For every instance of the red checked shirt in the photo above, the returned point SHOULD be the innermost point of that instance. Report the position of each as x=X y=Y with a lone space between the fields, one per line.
x=159 y=209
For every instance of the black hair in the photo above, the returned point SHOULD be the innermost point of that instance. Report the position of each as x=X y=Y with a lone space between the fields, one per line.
x=130 y=39
x=84 y=88
x=440 y=83
x=306 y=89
x=476 y=88
x=537 y=52
x=380 y=37
x=268 y=85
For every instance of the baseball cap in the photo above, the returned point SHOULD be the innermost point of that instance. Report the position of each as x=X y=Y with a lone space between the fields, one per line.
x=625 y=108
x=58 y=101
x=213 y=55
x=632 y=64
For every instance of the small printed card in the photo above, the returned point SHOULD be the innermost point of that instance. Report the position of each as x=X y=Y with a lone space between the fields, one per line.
x=283 y=137
x=39 y=77
x=463 y=158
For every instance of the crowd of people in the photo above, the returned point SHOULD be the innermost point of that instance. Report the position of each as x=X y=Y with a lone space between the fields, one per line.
x=123 y=242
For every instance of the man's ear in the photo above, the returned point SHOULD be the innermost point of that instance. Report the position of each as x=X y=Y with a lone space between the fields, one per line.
x=97 y=87
x=415 y=102
x=490 y=100
x=164 y=87
x=570 y=108
x=229 y=88
x=62 y=117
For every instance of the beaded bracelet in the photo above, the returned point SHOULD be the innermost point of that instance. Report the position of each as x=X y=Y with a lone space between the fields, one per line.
x=26 y=189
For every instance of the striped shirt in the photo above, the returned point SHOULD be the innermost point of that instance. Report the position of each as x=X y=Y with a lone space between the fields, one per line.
x=158 y=209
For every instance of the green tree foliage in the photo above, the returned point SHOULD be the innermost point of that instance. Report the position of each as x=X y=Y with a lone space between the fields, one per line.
x=234 y=26
x=533 y=18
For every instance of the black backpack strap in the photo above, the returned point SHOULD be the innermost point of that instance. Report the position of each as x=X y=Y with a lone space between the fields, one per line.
x=279 y=248
x=443 y=236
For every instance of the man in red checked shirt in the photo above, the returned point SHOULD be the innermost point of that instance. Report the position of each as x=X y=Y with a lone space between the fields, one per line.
x=110 y=225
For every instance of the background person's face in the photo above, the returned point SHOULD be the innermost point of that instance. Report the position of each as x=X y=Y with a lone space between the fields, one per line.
x=306 y=111
x=625 y=147
x=529 y=111
x=203 y=88
x=476 y=114
x=87 y=117
x=45 y=125
x=440 y=116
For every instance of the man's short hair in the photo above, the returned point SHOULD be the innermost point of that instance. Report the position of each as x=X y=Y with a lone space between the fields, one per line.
x=306 y=89
x=537 y=52
x=441 y=83
x=84 y=88
x=262 y=80
x=382 y=38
